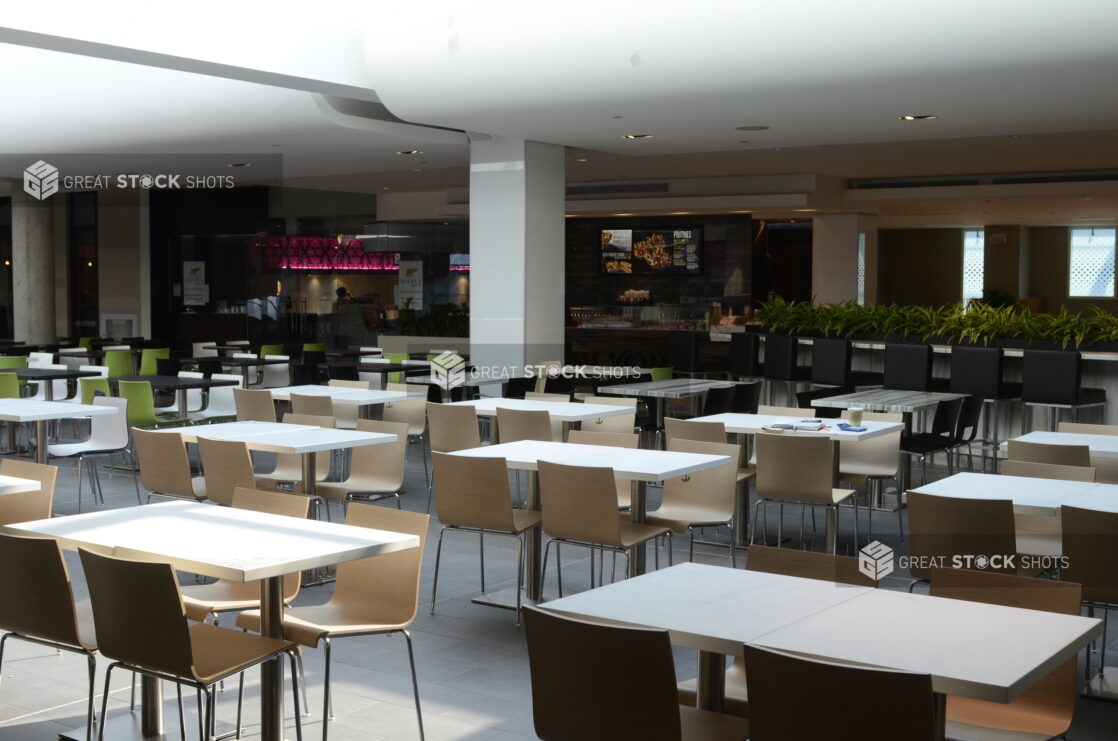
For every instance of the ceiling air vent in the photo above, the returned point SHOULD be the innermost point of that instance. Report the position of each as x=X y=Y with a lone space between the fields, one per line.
x=1012 y=178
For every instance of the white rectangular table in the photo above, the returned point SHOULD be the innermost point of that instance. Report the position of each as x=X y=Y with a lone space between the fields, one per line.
x=971 y=649
x=1102 y=446
x=41 y=412
x=363 y=398
x=562 y=411
x=236 y=544
x=658 y=391
x=1030 y=496
x=640 y=466
x=14 y=485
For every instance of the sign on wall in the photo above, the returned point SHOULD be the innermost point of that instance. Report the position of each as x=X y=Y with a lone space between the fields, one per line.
x=195 y=291
x=411 y=283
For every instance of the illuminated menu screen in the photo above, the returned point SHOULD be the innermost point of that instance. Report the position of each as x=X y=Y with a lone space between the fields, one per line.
x=644 y=251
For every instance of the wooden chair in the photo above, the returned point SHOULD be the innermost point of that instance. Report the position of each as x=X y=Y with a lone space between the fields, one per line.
x=227 y=466
x=709 y=432
x=376 y=471
x=1085 y=428
x=703 y=499
x=556 y=425
x=38 y=604
x=622 y=423
x=413 y=413
x=614 y=439
x=873 y=704
x=593 y=682
x=797 y=412
x=254 y=404
x=942 y=529
x=1061 y=455
x=29 y=505
x=449 y=428
x=288 y=472
x=476 y=498
x=1090 y=549
x=1046 y=709
x=523 y=424
x=205 y=600
x=372 y=596
x=580 y=508
x=345 y=413
x=142 y=626
x=165 y=467
x=321 y=406
x=1048 y=471
x=873 y=462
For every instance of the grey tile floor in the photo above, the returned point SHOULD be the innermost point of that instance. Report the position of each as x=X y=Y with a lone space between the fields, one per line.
x=472 y=664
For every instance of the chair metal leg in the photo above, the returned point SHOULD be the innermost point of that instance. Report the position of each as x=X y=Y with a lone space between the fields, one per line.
x=135 y=475
x=203 y=723
x=415 y=682
x=90 y=717
x=240 y=702
x=303 y=685
x=81 y=460
x=435 y=581
x=481 y=558
x=296 y=684
x=733 y=546
x=182 y=711
x=558 y=568
x=327 y=705
x=105 y=703
x=543 y=567
x=519 y=597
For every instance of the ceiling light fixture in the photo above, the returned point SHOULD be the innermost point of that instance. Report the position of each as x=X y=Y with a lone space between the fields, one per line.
x=919 y=117
x=752 y=128
x=410 y=151
x=581 y=159
x=239 y=164
x=636 y=136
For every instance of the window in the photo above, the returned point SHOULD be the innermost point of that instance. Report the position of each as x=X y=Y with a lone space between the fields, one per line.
x=974 y=258
x=1091 y=263
x=862 y=269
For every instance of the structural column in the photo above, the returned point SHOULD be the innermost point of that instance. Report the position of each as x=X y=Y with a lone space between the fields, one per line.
x=517 y=252
x=33 y=301
x=844 y=258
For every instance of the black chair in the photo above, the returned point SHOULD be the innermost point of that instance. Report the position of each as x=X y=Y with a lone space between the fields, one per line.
x=830 y=366
x=806 y=400
x=209 y=366
x=744 y=354
x=305 y=374
x=344 y=373
x=314 y=356
x=683 y=355
x=515 y=388
x=719 y=401
x=966 y=429
x=941 y=438
x=747 y=397
x=1053 y=379
x=168 y=366
x=781 y=364
x=978 y=371
x=908 y=367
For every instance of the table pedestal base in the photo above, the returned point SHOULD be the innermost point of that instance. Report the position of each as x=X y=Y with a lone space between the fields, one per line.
x=125 y=726
x=503 y=598
x=1103 y=686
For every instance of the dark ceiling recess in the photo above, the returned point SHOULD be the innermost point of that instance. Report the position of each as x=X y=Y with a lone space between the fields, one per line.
x=1013 y=178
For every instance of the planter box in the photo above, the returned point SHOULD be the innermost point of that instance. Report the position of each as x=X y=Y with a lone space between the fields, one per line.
x=413 y=343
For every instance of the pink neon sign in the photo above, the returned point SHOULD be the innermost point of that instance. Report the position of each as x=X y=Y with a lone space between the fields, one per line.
x=323 y=254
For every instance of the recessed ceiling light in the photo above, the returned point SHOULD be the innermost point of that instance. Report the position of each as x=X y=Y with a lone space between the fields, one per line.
x=805 y=210
x=239 y=164
x=743 y=141
x=778 y=149
x=417 y=169
x=581 y=159
x=622 y=214
x=411 y=151
x=385 y=188
x=752 y=128
x=636 y=136
x=617 y=117
x=917 y=117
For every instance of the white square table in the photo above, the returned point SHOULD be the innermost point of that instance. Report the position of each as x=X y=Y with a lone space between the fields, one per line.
x=562 y=411
x=1102 y=446
x=1030 y=496
x=14 y=485
x=970 y=649
x=640 y=466
x=361 y=398
x=236 y=544
x=41 y=412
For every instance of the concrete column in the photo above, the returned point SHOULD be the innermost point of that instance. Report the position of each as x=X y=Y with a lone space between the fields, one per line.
x=33 y=304
x=123 y=251
x=836 y=242
x=517 y=251
x=1006 y=265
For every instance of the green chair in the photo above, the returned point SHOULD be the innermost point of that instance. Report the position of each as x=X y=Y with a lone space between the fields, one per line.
x=86 y=342
x=662 y=374
x=395 y=357
x=11 y=362
x=119 y=363
x=266 y=350
x=314 y=347
x=88 y=386
x=9 y=386
x=148 y=358
x=141 y=405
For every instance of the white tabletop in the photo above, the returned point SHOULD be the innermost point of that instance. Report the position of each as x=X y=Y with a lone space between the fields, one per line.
x=232 y=430
x=751 y=423
x=988 y=652
x=627 y=463
x=13 y=485
x=283 y=438
x=31 y=410
x=887 y=400
x=1102 y=446
x=709 y=608
x=359 y=397
x=224 y=542
x=672 y=389
x=563 y=411
x=1030 y=496
x=386 y=361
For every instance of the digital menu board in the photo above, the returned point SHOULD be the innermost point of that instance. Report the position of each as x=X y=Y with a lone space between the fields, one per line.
x=644 y=251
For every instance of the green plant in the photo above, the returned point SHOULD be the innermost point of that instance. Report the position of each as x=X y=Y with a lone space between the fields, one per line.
x=443 y=320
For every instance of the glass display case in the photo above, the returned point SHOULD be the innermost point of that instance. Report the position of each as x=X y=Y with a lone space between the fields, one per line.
x=639 y=317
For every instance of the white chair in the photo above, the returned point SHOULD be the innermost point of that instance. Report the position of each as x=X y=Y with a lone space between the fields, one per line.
x=197 y=349
x=373 y=379
x=107 y=348
x=221 y=404
x=39 y=359
x=108 y=435
x=194 y=401
x=246 y=356
x=374 y=351
x=277 y=375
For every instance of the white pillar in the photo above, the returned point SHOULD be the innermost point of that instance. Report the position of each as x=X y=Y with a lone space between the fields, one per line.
x=517 y=251
x=123 y=250
x=32 y=268
x=841 y=245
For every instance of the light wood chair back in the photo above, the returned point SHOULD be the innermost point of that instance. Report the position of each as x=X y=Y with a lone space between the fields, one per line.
x=226 y=465
x=348 y=384
x=941 y=528
x=878 y=454
x=322 y=406
x=384 y=461
x=630 y=440
x=710 y=432
x=164 y=465
x=1047 y=471
x=289 y=466
x=617 y=423
x=579 y=503
x=806 y=565
x=451 y=427
x=1085 y=428
x=254 y=404
x=272 y=503
x=523 y=424
x=890 y=704
x=1090 y=547
x=1060 y=455
x=138 y=613
x=541 y=396
x=30 y=505
x=712 y=491
x=600 y=682
x=794 y=468
x=390 y=582
x=799 y=412
x=38 y=600
x=472 y=492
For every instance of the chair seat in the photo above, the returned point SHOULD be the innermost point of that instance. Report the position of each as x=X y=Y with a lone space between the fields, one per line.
x=696 y=725
x=681 y=517
x=866 y=378
x=633 y=534
x=86 y=633
x=222 y=652
x=1031 y=717
x=860 y=471
x=201 y=600
x=369 y=485
x=65 y=450
x=1007 y=391
x=736 y=700
x=799 y=373
x=922 y=444
x=198 y=486
x=1091 y=396
x=307 y=625
x=522 y=519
